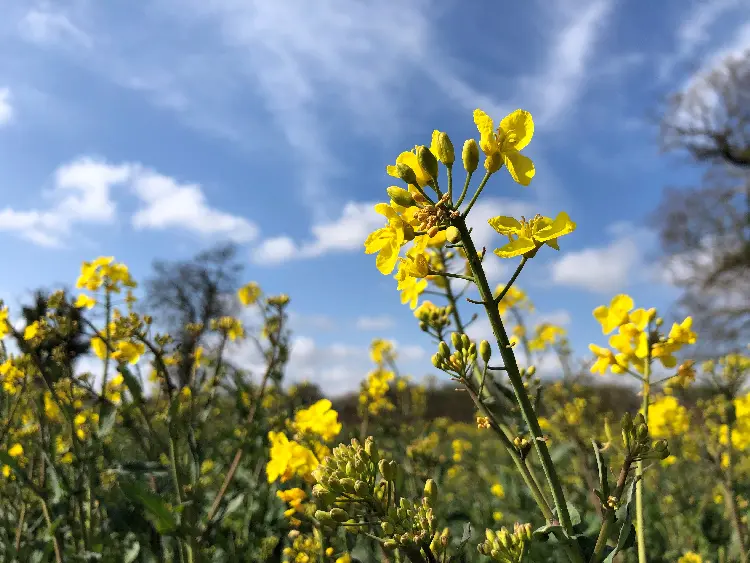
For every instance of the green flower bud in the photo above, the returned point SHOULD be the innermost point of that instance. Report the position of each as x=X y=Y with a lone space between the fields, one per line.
x=390 y=545
x=339 y=514
x=470 y=155
x=530 y=371
x=347 y=484
x=405 y=173
x=435 y=543
x=427 y=161
x=387 y=527
x=437 y=361
x=456 y=340
x=465 y=340
x=443 y=350
x=444 y=148
x=400 y=196
x=385 y=470
x=323 y=517
x=430 y=489
x=361 y=488
x=371 y=449
x=485 y=351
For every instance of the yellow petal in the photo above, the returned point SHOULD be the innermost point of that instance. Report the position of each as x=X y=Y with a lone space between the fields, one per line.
x=386 y=259
x=516 y=248
x=518 y=127
x=377 y=240
x=520 y=167
x=562 y=225
x=487 y=140
x=505 y=225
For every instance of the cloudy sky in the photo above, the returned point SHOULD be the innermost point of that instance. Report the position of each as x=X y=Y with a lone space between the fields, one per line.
x=154 y=131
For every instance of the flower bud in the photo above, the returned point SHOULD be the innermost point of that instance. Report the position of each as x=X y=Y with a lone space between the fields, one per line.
x=456 y=340
x=400 y=196
x=443 y=349
x=387 y=527
x=430 y=489
x=323 y=517
x=390 y=545
x=452 y=234
x=371 y=449
x=385 y=470
x=485 y=351
x=437 y=361
x=427 y=161
x=443 y=148
x=465 y=340
x=531 y=370
x=470 y=155
x=405 y=173
x=339 y=514
x=361 y=488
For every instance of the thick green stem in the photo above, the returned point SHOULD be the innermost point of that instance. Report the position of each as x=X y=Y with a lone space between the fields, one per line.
x=509 y=360
x=640 y=520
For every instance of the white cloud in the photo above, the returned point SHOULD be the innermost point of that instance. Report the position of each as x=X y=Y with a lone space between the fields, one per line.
x=693 y=31
x=81 y=193
x=169 y=204
x=382 y=322
x=47 y=27
x=6 y=110
x=609 y=268
x=346 y=233
x=560 y=317
x=574 y=43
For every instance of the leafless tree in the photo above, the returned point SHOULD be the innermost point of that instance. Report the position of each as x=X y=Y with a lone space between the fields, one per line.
x=193 y=291
x=705 y=231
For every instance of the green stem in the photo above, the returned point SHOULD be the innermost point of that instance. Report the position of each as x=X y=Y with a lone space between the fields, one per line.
x=640 y=523
x=509 y=360
x=476 y=195
x=609 y=515
x=450 y=183
x=464 y=191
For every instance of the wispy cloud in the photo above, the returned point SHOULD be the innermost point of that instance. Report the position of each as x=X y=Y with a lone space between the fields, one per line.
x=577 y=29
x=81 y=193
x=6 y=110
x=45 y=26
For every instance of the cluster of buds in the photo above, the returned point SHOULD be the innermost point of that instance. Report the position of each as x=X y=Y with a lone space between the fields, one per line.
x=637 y=441
x=411 y=525
x=523 y=445
x=460 y=361
x=347 y=477
x=432 y=317
x=506 y=547
x=432 y=217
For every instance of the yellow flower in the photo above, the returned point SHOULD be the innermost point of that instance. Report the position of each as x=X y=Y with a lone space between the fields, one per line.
x=616 y=314
x=248 y=294
x=667 y=418
x=605 y=358
x=409 y=158
x=31 y=331
x=4 y=324
x=497 y=516
x=129 y=352
x=99 y=347
x=288 y=459
x=526 y=237
x=84 y=301
x=381 y=349
x=502 y=146
x=16 y=450
x=387 y=241
x=411 y=289
x=690 y=557
x=319 y=419
x=682 y=333
x=497 y=490
x=415 y=265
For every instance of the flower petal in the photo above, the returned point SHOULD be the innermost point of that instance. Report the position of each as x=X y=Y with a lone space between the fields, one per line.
x=562 y=225
x=520 y=246
x=518 y=127
x=505 y=225
x=520 y=167
x=486 y=127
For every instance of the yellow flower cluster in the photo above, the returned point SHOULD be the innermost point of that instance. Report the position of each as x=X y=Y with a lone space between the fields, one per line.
x=103 y=271
x=320 y=419
x=289 y=459
x=667 y=418
x=636 y=343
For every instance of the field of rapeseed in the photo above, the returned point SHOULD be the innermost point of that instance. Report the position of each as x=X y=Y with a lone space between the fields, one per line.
x=173 y=454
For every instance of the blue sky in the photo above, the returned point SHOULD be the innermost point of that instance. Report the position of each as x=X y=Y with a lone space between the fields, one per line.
x=152 y=130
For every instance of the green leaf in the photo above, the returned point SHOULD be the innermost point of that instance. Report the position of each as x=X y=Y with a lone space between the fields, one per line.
x=234 y=504
x=157 y=510
x=53 y=481
x=132 y=383
x=107 y=419
x=603 y=481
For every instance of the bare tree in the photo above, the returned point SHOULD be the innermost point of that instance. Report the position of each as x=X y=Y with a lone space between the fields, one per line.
x=705 y=231
x=193 y=292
